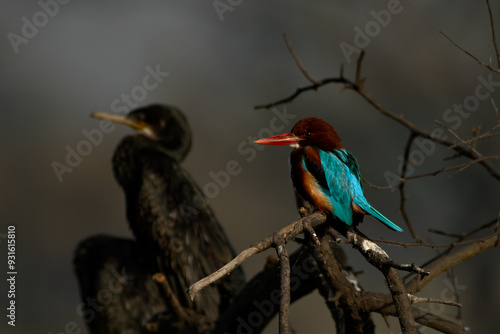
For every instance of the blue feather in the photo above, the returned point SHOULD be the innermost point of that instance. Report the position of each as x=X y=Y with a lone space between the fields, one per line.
x=371 y=210
x=341 y=184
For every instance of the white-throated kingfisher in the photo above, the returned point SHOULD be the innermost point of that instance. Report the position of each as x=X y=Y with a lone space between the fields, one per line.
x=324 y=173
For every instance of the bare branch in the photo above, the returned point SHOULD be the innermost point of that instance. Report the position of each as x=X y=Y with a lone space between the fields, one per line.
x=401 y=301
x=342 y=294
x=452 y=259
x=379 y=258
x=288 y=232
x=284 y=319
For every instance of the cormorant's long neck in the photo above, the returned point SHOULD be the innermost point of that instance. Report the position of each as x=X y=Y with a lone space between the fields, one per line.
x=127 y=165
x=132 y=161
x=176 y=150
x=126 y=162
x=176 y=141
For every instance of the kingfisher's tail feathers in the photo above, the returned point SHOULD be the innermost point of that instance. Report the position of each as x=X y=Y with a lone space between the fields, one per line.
x=372 y=211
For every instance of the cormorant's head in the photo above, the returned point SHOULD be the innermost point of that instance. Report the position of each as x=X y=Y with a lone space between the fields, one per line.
x=164 y=124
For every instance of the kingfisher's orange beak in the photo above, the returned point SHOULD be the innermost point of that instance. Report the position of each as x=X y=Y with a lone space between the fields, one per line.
x=284 y=139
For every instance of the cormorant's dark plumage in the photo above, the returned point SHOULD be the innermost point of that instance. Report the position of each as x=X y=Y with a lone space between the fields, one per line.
x=164 y=209
x=116 y=286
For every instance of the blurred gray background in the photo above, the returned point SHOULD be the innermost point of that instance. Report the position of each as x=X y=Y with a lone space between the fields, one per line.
x=88 y=55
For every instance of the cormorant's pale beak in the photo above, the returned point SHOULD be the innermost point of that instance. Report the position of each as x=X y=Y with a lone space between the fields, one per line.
x=121 y=119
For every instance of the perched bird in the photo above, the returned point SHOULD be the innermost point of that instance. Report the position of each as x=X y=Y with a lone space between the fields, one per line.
x=116 y=285
x=324 y=173
x=166 y=210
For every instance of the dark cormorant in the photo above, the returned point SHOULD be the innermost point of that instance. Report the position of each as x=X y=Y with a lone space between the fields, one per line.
x=166 y=210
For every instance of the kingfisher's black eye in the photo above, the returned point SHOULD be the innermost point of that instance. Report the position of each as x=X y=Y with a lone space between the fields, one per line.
x=308 y=134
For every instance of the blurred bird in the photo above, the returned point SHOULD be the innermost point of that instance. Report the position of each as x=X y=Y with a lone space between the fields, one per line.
x=324 y=173
x=116 y=286
x=166 y=210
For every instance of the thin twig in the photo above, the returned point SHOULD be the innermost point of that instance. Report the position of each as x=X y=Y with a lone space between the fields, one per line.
x=359 y=64
x=488 y=66
x=300 y=91
x=462 y=141
x=485 y=135
x=424 y=244
x=497 y=230
x=298 y=62
x=312 y=233
x=451 y=276
x=421 y=300
x=446 y=234
x=402 y=192
x=495 y=108
x=493 y=37
x=460 y=167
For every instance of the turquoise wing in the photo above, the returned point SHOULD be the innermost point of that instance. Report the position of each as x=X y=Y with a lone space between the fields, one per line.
x=340 y=180
x=334 y=179
x=356 y=189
